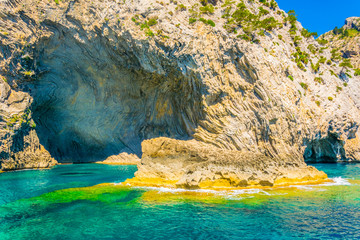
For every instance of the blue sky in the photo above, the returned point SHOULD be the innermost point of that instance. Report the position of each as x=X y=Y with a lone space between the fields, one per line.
x=322 y=15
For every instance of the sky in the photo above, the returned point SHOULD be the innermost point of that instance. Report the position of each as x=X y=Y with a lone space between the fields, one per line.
x=322 y=15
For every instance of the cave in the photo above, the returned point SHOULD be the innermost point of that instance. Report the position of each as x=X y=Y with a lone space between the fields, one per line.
x=326 y=150
x=93 y=98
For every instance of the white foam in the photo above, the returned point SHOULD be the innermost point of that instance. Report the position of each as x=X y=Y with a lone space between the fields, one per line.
x=230 y=194
x=337 y=181
x=239 y=193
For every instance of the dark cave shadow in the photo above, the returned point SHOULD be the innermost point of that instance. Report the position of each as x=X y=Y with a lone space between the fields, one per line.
x=93 y=100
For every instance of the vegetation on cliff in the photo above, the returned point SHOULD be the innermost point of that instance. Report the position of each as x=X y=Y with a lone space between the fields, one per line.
x=102 y=76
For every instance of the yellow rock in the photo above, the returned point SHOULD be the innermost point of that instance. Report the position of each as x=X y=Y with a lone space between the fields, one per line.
x=191 y=164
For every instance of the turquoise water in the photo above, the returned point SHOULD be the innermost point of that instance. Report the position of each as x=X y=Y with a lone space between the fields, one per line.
x=30 y=208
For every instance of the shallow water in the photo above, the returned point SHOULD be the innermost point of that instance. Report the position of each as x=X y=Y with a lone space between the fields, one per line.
x=32 y=209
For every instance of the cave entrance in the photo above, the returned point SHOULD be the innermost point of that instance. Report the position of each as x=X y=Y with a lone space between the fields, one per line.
x=94 y=99
x=329 y=150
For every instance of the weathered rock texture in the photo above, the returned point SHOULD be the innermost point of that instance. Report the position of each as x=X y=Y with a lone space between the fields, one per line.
x=19 y=144
x=102 y=76
x=346 y=40
x=193 y=164
x=122 y=159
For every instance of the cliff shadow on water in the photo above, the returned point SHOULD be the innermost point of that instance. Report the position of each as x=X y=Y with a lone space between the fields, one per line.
x=95 y=97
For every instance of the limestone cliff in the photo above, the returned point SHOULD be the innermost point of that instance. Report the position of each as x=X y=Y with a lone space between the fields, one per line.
x=345 y=42
x=20 y=147
x=99 y=77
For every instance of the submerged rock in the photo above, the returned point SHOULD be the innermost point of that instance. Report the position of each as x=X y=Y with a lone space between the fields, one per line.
x=193 y=164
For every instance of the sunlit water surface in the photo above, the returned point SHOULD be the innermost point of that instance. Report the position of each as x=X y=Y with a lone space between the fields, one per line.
x=63 y=203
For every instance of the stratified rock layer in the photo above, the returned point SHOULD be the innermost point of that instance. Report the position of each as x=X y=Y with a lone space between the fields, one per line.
x=192 y=164
x=99 y=77
x=121 y=159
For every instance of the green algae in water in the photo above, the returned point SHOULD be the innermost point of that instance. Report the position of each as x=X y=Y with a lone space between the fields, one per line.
x=118 y=212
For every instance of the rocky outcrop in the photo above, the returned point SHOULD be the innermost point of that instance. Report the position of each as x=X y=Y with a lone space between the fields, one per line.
x=19 y=144
x=345 y=42
x=193 y=164
x=102 y=76
x=121 y=159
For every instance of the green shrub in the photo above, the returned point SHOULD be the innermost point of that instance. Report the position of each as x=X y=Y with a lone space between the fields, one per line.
x=144 y=25
x=322 y=41
x=322 y=60
x=332 y=73
x=273 y=4
x=245 y=37
x=335 y=55
x=152 y=22
x=351 y=33
x=338 y=89
x=301 y=66
x=207 y=22
x=330 y=98
x=292 y=19
x=181 y=7
x=304 y=86
x=319 y=80
x=291 y=77
x=208 y=9
x=345 y=84
x=357 y=72
x=192 y=20
x=149 y=33
x=297 y=40
x=269 y=23
x=204 y=2
x=263 y=12
x=280 y=37
x=317 y=103
x=346 y=63
x=300 y=58
x=211 y=23
x=227 y=3
x=312 y=49
x=306 y=33
x=347 y=74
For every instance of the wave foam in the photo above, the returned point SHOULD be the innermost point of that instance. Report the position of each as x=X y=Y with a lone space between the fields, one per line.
x=239 y=193
x=336 y=181
x=231 y=194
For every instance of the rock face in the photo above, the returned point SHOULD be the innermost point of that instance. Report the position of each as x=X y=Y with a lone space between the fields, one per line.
x=19 y=144
x=193 y=164
x=99 y=77
x=122 y=159
x=345 y=42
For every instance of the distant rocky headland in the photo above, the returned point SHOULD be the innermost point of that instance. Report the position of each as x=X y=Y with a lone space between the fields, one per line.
x=217 y=93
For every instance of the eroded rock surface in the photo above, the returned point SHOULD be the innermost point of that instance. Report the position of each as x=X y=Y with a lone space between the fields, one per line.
x=102 y=76
x=345 y=41
x=122 y=159
x=19 y=144
x=193 y=164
